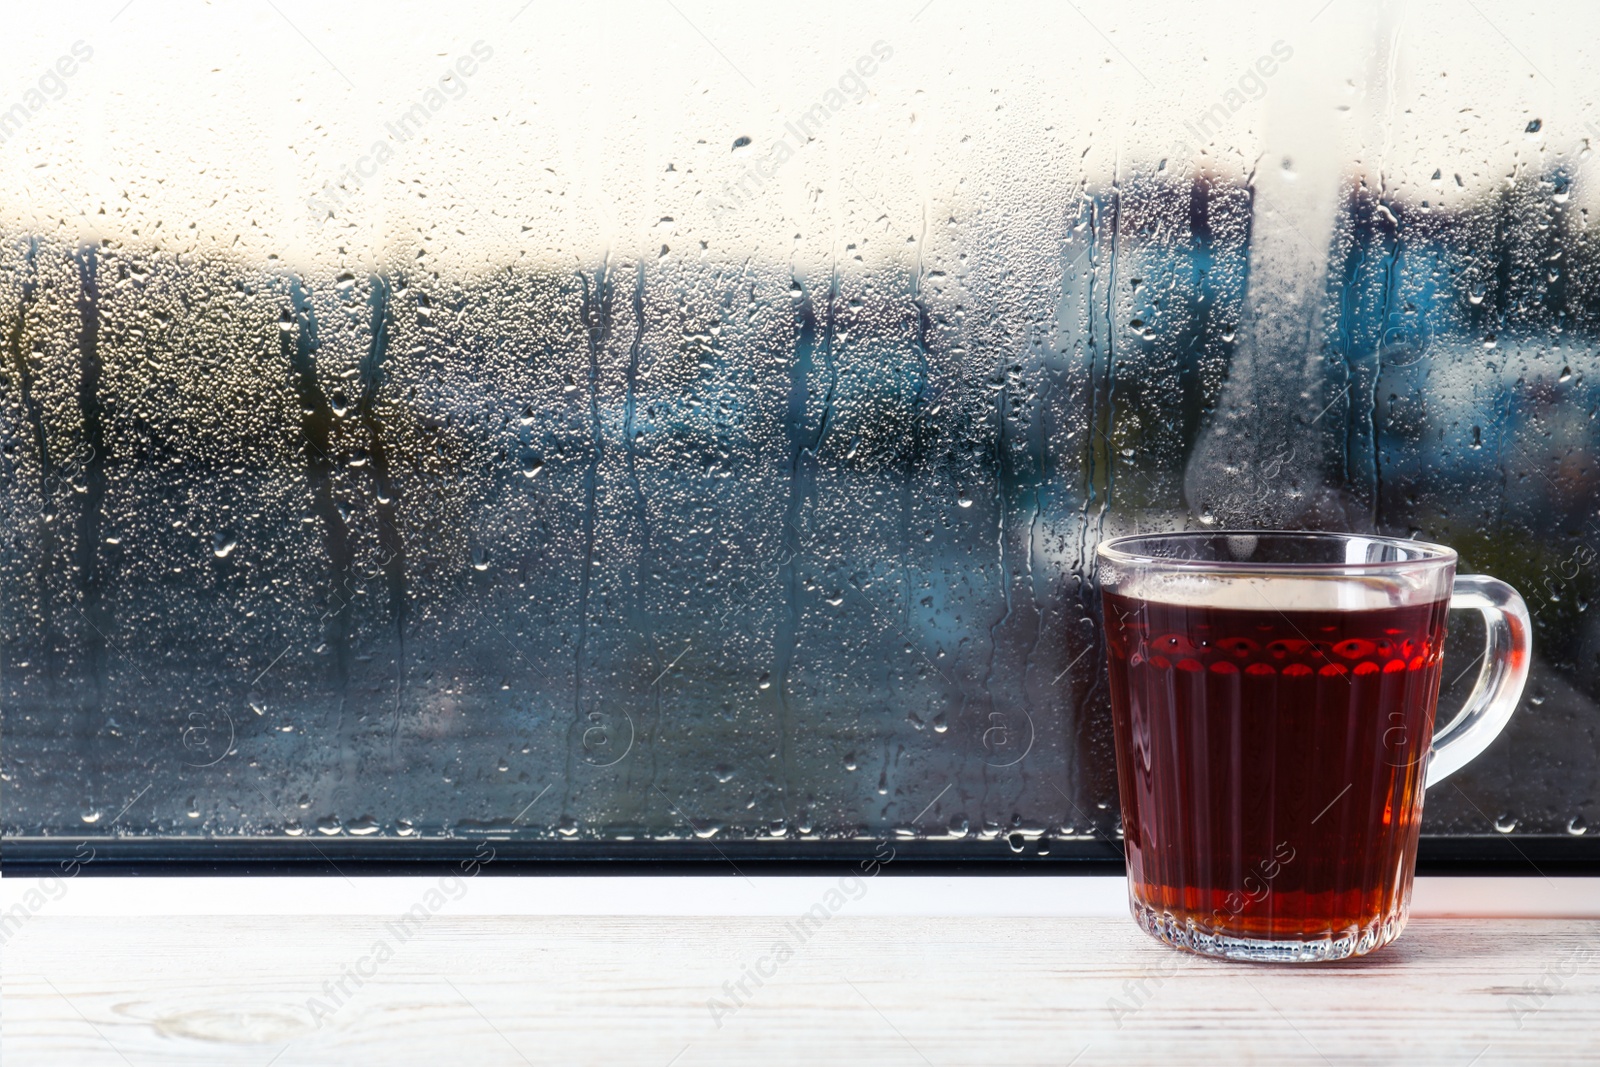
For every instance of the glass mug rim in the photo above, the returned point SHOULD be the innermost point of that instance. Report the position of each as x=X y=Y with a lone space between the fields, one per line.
x=1413 y=555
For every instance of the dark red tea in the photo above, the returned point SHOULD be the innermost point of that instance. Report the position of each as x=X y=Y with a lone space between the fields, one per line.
x=1271 y=763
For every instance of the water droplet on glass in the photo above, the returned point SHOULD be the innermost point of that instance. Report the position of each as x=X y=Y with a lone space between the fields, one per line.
x=480 y=558
x=1576 y=826
x=532 y=463
x=91 y=816
x=223 y=544
x=964 y=500
x=1505 y=824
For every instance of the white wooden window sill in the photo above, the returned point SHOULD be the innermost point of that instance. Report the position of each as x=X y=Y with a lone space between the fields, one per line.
x=682 y=971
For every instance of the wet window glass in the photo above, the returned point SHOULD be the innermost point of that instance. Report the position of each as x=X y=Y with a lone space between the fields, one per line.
x=671 y=430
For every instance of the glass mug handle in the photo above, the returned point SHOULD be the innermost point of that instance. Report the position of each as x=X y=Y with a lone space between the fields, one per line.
x=1500 y=679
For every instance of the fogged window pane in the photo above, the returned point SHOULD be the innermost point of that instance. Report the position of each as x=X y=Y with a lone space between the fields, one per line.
x=651 y=425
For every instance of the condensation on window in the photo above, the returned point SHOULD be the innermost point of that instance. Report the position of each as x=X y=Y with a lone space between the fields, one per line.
x=652 y=426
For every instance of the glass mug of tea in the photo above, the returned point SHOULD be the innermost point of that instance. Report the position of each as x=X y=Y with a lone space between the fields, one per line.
x=1273 y=702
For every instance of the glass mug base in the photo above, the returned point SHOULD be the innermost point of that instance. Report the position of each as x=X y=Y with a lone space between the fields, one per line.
x=1202 y=940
